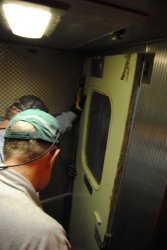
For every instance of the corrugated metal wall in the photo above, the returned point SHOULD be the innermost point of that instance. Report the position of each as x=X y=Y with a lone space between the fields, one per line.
x=145 y=171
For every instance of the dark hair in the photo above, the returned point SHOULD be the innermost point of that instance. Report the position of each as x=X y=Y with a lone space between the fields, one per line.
x=25 y=149
x=24 y=103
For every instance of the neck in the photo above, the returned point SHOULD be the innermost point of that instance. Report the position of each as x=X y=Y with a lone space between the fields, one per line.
x=27 y=170
x=35 y=171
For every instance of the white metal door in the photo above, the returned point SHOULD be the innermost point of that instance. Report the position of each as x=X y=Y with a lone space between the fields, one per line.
x=92 y=197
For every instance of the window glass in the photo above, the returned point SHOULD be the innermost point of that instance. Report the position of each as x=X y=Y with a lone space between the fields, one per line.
x=98 y=125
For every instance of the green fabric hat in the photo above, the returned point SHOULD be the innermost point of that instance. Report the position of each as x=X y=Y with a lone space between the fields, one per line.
x=47 y=127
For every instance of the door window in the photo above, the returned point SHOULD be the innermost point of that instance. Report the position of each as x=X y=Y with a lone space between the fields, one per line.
x=98 y=125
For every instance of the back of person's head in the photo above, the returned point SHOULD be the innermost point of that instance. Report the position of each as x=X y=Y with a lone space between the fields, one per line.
x=24 y=103
x=30 y=133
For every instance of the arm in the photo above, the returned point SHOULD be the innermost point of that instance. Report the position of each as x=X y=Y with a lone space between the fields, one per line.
x=65 y=120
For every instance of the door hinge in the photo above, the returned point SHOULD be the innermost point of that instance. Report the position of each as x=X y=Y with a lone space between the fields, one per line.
x=72 y=171
x=148 y=62
x=106 y=241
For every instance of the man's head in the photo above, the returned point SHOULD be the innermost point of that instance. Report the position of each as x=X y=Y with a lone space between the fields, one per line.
x=24 y=103
x=29 y=135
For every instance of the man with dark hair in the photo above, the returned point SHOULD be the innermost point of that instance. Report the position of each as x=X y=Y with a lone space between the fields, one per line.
x=30 y=151
x=23 y=103
x=26 y=102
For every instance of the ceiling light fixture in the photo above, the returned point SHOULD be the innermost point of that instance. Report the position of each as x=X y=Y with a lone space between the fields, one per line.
x=30 y=20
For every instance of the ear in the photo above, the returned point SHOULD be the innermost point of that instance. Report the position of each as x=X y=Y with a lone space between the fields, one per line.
x=54 y=156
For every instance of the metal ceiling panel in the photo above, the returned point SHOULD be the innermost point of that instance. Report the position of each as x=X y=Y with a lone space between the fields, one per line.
x=84 y=22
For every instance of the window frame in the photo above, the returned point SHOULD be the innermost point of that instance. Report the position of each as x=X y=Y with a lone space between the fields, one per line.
x=97 y=178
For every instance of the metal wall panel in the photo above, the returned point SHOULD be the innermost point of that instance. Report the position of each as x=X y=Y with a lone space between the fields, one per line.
x=48 y=74
x=145 y=170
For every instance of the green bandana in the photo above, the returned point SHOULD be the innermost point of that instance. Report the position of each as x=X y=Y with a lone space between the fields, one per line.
x=47 y=127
